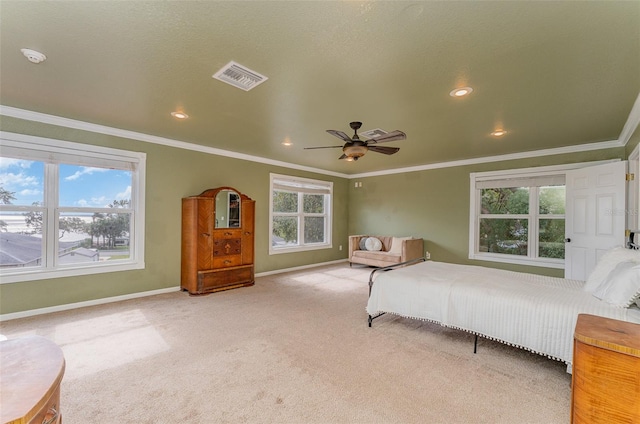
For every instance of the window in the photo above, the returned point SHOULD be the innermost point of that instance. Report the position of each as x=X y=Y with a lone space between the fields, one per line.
x=518 y=218
x=68 y=209
x=300 y=214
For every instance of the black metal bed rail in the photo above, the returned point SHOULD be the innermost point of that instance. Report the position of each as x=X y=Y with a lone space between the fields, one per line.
x=389 y=268
x=631 y=242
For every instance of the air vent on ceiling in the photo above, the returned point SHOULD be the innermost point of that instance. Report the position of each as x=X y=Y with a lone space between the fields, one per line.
x=239 y=76
x=373 y=133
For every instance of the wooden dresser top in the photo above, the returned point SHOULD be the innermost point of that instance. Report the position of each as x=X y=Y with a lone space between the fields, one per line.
x=31 y=368
x=607 y=333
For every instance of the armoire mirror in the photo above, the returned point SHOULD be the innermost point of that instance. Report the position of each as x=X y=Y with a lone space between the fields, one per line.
x=227 y=209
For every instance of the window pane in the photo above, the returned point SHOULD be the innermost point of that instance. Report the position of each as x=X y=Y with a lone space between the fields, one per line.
x=284 y=201
x=552 y=200
x=21 y=182
x=285 y=231
x=93 y=237
x=83 y=186
x=313 y=203
x=314 y=229
x=513 y=200
x=507 y=236
x=20 y=247
x=551 y=238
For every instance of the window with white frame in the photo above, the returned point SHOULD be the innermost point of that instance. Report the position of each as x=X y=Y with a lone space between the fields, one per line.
x=300 y=214
x=518 y=218
x=68 y=209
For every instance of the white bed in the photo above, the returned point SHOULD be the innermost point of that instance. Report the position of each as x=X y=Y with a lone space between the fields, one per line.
x=533 y=312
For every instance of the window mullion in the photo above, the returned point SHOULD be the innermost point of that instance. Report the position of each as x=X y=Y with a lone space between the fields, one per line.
x=533 y=222
x=49 y=219
x=300 y=219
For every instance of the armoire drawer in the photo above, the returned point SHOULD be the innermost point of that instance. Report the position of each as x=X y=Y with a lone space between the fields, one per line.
x=227 y=261
x=225 y=247
x=227 y=277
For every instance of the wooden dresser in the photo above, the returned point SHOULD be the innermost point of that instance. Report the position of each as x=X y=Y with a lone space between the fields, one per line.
x=606 y=371
x=217 y=241
x=31 y=370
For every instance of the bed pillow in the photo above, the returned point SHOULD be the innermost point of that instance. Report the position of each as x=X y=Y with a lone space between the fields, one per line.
x=607 y=263
x=396 y=245
x=373 y=244
x=622 y=286
x=362 y=246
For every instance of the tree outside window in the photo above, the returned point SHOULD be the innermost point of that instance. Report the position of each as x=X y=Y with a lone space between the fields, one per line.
x=512 y=220
x=300 y=214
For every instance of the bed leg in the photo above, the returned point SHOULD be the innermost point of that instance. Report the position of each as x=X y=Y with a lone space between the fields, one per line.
x=475 y=344
x=369 y=320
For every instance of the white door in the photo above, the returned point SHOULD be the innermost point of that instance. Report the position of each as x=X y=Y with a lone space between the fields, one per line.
x=595 y=216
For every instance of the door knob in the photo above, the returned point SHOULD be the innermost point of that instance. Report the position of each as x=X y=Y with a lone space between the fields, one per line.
x=567 y=240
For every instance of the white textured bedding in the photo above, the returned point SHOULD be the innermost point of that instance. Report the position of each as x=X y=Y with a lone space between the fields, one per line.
x=529 y=311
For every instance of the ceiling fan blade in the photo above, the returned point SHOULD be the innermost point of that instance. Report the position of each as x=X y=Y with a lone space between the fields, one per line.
x=323 y=147
x=392 y=136
x=343 y=156
x=384 y=149
x=339 y=134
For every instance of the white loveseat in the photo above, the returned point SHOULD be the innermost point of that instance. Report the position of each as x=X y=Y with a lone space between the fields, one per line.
x=391 y=250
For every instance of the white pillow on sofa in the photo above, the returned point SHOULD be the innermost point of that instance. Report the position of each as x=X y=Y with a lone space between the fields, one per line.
x=607 y=263
x=622 y=286
x=396 y=245
x=373 y=244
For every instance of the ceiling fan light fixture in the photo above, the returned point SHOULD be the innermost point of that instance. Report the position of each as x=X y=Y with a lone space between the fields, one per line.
x=355 y=151
x=461 y=92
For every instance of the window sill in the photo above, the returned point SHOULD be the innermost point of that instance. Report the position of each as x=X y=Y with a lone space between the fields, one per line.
x=35 y=274
x=509 y=259
x=297 y=249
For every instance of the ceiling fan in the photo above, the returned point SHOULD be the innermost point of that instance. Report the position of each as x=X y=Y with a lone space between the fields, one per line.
x=354 y=148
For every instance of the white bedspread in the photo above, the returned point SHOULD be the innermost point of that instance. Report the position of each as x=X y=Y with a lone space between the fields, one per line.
x=530 y=311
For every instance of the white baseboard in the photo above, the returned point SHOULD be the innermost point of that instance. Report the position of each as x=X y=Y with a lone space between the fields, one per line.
x=66 y=307
x=298 y=268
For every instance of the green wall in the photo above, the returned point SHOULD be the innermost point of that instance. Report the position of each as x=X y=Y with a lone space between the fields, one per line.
x=172 y=174
x=434 y=205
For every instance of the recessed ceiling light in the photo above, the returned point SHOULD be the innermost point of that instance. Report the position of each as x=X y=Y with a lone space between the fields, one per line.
x=33 y=56
x=498 y=133
x=179 y=115
x=461 y=92
x=287 y=142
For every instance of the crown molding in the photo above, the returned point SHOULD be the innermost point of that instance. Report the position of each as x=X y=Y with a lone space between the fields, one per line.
x=632 y=123
x=147 y=138
x=629 y=128
x=499 y=158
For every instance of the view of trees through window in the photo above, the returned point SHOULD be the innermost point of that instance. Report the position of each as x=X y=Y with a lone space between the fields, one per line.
x=506 y=216
x=92 y=208
x=293 y=209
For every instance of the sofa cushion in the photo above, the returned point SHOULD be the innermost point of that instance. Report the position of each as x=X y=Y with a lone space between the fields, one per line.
x=373 y=244
x=396 y=244
x=385 y=257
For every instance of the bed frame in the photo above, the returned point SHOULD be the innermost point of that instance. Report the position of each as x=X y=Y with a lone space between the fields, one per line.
x=389 y=268
x=538 y=303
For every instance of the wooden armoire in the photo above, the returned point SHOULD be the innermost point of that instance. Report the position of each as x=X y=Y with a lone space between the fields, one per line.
x=217 y=241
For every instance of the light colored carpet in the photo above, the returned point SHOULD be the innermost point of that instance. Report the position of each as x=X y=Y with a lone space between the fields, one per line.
x=294 y=348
